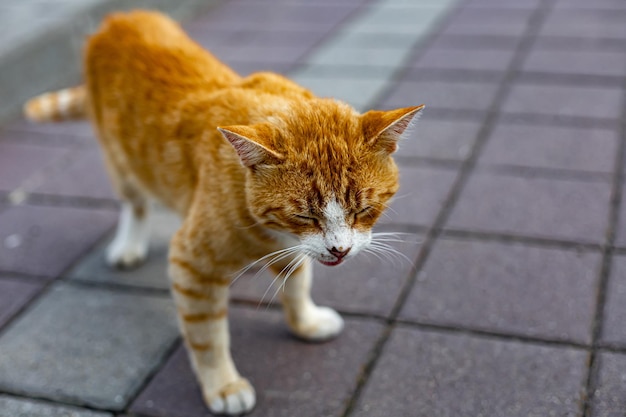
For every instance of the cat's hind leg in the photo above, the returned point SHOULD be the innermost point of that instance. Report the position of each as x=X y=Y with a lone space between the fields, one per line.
x=305 y=319
x=129 y=247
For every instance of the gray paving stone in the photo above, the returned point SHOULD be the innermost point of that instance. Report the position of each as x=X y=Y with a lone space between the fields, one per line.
x=413 y=22
x=440 y=139
x=466 y=59
x=254 y=53
x=19 y=407
x=353 y=71
x=84 y=176
x=498 y=4
x=278 y=47
x=338 y=54
x=46 y=240
x=418 y=5
x=86 y=345
x=350 y=39
x=21 y=162
x=357 y=92
x=585 y=24
x=615 y=306
x=507 y=288
x=583 y=62
x=72 y=130
x=211 y=38
x=595 y=5
x=291 y=377
x=535 y=207
x=425 y=374
x=620 y=238
x=495 y=22
x=420 y=197
x=551 y=147
x=572 y=101
x=14 y=294
x=289 y=16
x=472 y=96
x=413 y=15
x=324 y=2
x=366 y=284
x=608 y=399
x=475 y=42
x=45 y=140
x=303 y=39
x=152 y=274
x=566 y=43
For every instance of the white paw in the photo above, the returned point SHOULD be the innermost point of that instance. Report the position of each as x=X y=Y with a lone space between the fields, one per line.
x=233 y=399
x=125 y=256
x=320 y=324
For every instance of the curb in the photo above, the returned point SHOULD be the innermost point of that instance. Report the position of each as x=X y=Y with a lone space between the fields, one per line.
x=51 y=59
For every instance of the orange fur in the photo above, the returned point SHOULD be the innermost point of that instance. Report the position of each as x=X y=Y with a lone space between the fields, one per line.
x=156 y=100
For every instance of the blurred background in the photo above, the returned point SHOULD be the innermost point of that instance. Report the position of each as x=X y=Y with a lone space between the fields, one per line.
x=511 y=204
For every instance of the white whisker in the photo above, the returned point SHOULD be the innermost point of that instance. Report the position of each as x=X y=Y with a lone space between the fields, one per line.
x=395 y=234
x=273 y=261
x=245 y=269
x=387 y=255
x=278 y=275
x=267 y=290
x=373 y=252
x=400 y=197
x=292 y=269
x=385 y=248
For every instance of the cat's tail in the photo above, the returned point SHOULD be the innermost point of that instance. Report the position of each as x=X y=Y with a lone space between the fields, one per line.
x=69 y=103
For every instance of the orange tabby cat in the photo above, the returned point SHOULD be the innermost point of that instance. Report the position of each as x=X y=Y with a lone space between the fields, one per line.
x=257 y=167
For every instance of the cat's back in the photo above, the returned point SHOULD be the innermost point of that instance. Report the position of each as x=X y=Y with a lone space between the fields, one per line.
x=144 y=25
x=144 y=49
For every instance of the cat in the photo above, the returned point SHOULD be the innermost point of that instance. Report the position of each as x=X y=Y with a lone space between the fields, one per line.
x=259 y=169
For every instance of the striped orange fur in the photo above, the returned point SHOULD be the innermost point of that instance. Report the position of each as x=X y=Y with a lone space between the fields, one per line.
x=258 y=168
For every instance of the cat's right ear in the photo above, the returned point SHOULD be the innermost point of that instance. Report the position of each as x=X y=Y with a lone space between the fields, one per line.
x=248 y=143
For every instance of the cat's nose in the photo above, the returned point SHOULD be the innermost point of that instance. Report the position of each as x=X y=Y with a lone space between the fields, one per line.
x=339 y=252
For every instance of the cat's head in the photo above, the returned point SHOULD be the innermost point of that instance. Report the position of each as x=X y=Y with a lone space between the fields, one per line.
x=322 y=172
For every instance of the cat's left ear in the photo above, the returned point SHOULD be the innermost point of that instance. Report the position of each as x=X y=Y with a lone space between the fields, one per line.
x=383 y=129
x=251 y=145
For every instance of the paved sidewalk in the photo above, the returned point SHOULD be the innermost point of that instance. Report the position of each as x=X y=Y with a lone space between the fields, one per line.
x=511 y=198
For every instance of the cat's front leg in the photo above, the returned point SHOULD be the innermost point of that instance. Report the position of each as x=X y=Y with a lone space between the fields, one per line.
x=305 y=319
x=202 y=301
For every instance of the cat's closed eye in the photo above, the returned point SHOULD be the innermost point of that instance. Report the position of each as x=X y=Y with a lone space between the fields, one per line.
x=306 y=218
x=365 y=211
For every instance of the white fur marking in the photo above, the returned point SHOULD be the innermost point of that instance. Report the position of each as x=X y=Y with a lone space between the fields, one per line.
x=130 y=245
x=337 y=234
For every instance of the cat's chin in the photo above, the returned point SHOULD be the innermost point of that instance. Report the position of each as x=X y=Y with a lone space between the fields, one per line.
x=334 y=263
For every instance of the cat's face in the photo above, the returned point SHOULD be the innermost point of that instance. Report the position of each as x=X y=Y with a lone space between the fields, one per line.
x=326 y=182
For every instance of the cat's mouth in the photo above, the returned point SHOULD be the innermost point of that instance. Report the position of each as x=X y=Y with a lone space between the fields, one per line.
x=333 y=263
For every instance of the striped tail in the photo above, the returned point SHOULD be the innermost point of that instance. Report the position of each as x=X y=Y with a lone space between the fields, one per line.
x=56 y=106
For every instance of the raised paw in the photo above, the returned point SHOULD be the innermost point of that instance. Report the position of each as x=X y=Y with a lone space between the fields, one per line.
x=318 y=324
x=232 y=399
x=124 y=256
